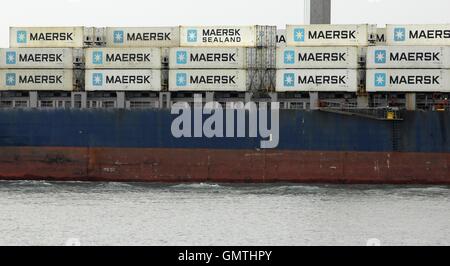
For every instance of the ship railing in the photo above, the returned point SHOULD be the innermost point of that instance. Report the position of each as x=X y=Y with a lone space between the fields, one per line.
x=378 y=113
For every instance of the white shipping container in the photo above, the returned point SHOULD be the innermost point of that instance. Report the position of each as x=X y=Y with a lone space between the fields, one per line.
x=428 y=34
x=218 y=36
x=317 y=80
x=185 y=58
x=408 y=57
x=123 y=80
x=318 y=57
x=122 y=58
x=142 y=37
x=37 y=80
x=40 y=58
x=408 y=80
x=381 y=36
x=56 y=37
x=208 y=80
x=281 y=38
x=330 y=35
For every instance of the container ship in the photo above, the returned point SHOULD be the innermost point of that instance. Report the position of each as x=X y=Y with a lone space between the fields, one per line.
x=248 y=104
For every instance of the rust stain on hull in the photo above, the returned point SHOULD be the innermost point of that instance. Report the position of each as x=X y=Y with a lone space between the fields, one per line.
x=206 y=165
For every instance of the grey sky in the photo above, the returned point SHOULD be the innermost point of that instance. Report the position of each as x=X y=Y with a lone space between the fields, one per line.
x=210 y=12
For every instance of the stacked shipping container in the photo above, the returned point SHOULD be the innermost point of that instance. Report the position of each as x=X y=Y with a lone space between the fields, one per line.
x=414 y=59
x=44 y=59
x=223 y=58
x=135 y=59
x=323 y=57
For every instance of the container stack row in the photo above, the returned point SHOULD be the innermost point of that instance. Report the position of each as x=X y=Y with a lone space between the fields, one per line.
x=224 y=58
x=415 y=58
x=302 y=58
x=327 y=58
x=45 y=59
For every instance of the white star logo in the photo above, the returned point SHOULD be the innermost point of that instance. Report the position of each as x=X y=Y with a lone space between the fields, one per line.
x=11 y=79
x=118 y=36
x=192 y=36
x=288 y=80
x=399 y=34
x=181 y=57
x=21 y=37
x=97 y=79
x=11 y=58
x=181 y=79
x=289 y=57
x=97 y=58
x=380 y=56
x=299 y=35
x=380 y=80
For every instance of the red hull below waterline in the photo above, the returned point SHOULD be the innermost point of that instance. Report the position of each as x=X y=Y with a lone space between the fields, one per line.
x=222 y=166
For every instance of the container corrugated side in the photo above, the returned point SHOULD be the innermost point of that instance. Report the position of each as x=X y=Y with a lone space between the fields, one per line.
x=43 y=37
x=142 y=37
x=408 y=80
x=330 y=35
x=426 y=34
x=122 y=58
x=123 y=80
x=218 y=36
x=208 y=80
x=381 y=36
x=14 y=58
x=261 y=58
x=318 y=57
x=190 y=57
x=318 y=80
x=408 y=57
x=37 y=80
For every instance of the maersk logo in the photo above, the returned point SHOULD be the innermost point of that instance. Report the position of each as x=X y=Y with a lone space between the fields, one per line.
x=11 y=58
x=118 y=36
x=399 y=34
x=289 y=57
x=10 y=79
x=192 y=35
x=97 y=58
x=181 y=57
x=289 y=79
x=380 y=79
x=380 y=56
x=299 y=35
x=181 y=79
x=97 y=79
x=21 y=36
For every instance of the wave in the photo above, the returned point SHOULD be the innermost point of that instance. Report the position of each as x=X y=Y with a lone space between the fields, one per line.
x=197 y=186
x=28 y=183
